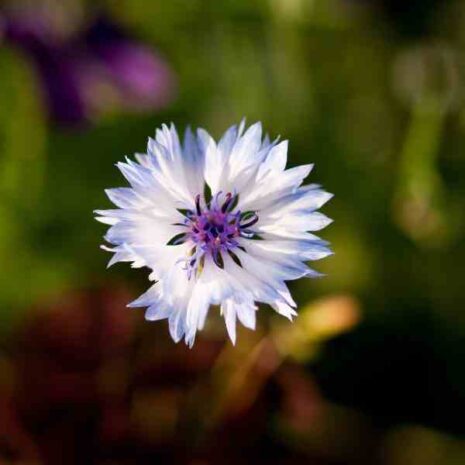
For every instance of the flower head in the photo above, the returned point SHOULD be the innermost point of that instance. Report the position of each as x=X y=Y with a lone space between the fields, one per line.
x=218 y=224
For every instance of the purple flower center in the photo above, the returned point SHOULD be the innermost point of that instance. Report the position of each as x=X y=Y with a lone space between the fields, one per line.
x=214 y=230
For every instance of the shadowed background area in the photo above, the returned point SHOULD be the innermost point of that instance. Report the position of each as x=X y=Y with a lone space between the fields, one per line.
x=371 y=372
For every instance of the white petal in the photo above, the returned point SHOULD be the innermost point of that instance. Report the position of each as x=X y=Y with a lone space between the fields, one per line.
x=299 y=250
x=124 y=197
x=265 y=287
x=149 y=297
x=294 y=222
x=106 y=220
x=245 y=150
x=303 y=200
x=276 y=159
x=214 y=161
x=194 y=163
x=176 y=325
x=272 y=187
x=229 y=312
x=227 y=141
x=247 y=315
x=285 y=310
x=157 y=312
x=197 y=310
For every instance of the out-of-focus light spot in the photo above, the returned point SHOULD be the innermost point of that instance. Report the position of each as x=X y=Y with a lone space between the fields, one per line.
x=291 y=9
x=331 y=316
x=427 y=72
x=317 y=322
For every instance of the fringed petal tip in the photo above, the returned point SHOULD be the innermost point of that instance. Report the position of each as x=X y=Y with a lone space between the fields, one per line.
x=312 y=274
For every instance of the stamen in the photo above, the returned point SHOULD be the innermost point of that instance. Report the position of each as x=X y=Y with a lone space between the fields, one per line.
x=246 y=215
x=207 y=194
x=235 y=258
x=214 y=231
x=217 y=196
x=178 y=239
x=252 y=221
x=226 y=202
x=201 y=265
x=247 y=234
x=197 y=204
x=185 y=212
x=218 y=259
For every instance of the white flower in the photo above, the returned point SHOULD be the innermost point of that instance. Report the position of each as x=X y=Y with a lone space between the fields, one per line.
x=218 y=224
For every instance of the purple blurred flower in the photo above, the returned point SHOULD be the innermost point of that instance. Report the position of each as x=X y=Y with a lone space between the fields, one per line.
x=92 y=71
x=143 y=78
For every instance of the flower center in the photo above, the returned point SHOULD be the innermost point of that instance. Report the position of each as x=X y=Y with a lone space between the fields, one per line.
x=214 y=230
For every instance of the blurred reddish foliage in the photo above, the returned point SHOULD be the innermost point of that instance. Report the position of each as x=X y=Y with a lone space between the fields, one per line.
x=88 y=384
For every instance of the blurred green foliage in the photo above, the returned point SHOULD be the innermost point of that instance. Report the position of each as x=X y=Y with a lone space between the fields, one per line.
x=22 y=161
x=320 y=74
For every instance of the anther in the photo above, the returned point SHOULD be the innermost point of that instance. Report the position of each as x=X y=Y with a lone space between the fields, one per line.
x=251 y=222
x=226 y=202
x=197 y=205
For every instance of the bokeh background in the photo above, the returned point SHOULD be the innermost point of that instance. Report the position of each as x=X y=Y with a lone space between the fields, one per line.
x=371 y=372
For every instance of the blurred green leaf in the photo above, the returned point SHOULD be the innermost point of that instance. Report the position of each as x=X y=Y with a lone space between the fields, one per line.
x=22 y=163
x=22 y=132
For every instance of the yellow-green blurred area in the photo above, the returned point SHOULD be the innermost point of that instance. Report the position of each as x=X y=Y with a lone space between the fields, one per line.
x=371 y=372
